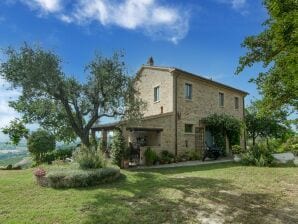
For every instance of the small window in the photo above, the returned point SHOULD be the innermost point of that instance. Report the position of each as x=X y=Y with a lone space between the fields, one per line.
x=188 y=91
x=156 y=94
x=236 y=103
x=221 y=99
x=188 y=128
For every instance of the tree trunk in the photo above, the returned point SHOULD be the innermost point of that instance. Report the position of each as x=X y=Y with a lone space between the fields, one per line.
x=253 y=141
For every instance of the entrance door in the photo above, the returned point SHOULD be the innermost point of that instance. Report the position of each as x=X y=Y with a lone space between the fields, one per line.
x=199 y=139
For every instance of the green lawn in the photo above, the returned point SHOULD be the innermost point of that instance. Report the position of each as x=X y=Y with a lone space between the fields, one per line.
x=222 y=193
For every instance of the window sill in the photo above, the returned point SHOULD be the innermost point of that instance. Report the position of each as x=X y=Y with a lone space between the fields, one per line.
x=189 y=100
x=189 y=133
x=157 y=101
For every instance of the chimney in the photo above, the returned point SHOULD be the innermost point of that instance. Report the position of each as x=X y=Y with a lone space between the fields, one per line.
x=150 y=61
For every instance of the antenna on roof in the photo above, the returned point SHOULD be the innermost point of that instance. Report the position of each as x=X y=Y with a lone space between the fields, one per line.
x=150 y=61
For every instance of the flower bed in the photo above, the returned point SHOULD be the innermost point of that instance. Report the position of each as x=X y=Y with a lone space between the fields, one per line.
x=71 y=178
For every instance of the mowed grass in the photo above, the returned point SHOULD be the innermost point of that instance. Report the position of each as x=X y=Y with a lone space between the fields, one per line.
x=221 y=193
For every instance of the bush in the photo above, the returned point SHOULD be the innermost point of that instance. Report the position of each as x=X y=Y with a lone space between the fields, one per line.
x=290 y=145
x=118 y=148
x=64 y=152
x=150 y=156
x=236 y=149
x=81 y=178
x=258 y=155
x=89 y=158
x=167 y=157
x=39 y=144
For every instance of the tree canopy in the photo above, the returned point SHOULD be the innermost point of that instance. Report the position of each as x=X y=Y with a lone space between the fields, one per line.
x=258 y=125
x=277 y=49
x=62 y=104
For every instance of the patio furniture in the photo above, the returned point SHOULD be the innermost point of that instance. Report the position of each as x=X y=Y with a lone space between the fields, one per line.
x=212 y=152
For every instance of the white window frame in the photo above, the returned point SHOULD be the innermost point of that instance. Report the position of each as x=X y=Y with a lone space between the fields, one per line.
x=156 y=95
x=236 y=102
x=188 y=91
x=221 y=99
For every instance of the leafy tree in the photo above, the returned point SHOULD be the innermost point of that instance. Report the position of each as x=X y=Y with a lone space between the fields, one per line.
x=221 y=125
x=60 y=103
x=277 y=49
x=39 y=143
x=258 y=125
x=118 y=148
x=16 y=131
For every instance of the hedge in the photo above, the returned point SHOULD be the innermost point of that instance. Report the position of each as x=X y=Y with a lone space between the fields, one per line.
x=80 y=178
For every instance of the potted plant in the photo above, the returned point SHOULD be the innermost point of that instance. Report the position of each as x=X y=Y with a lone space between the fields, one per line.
x=40 y=174
x=237 y=150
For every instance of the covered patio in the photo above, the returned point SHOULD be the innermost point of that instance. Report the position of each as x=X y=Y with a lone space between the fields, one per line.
x=137 y=138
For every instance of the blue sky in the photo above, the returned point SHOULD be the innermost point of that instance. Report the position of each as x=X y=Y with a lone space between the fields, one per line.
x=200 y=36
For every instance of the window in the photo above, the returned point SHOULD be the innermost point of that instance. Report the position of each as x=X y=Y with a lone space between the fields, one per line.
x=188 y=128
x=188 y=91
x=236 y=103
x=221 y=99
x=156 y=94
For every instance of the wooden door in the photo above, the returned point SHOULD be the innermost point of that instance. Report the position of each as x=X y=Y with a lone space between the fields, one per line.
x=199 y=139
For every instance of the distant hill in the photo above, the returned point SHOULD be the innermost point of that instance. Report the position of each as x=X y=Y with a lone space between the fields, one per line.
x=9 y=151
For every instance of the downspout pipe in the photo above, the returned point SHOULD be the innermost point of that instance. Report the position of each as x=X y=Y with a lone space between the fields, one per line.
x=176 y=110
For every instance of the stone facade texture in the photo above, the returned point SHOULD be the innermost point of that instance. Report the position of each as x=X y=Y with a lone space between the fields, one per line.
x=204 y=101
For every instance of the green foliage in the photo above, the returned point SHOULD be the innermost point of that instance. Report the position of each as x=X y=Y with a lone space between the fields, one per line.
x=150 y=156
x=220 y=125
x=277 y=48
x=67 y=178
x=63 y=105
x=119 y=148
x=258 y=155
x=89 y=158
x=39 y=143
x=236 y=149
x=16 y=131
x=191 y=155
x=290 y=145
x=258 y=125
x=166 y=157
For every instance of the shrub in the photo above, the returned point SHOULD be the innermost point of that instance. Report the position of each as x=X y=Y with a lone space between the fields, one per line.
x=81 y=178
x=39 y=143
x=89 y=158
x=40 y=172
x=150 y=156
x=167 y=157
x=290 y=145
x=258 y=155
x=64 y=152
x=236 y=149
x=118 y=148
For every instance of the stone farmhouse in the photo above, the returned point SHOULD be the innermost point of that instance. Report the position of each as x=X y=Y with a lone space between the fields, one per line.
x=176 y=103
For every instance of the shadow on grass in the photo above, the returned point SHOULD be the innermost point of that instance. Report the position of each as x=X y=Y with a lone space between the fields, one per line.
x=149 y=197
x=186 y=169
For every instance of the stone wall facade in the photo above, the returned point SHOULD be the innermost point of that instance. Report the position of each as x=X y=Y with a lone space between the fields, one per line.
x=150 y=78
x=204 y=101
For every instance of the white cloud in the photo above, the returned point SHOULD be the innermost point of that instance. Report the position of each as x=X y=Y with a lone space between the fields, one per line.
x=45 y=5
x=7 y=114
x=156 y=20
x=153 y=18
x=238 y=5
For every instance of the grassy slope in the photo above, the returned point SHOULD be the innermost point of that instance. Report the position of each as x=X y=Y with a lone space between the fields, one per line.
x=216 y=193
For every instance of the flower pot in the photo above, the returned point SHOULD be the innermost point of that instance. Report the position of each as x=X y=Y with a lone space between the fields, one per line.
x=237 y=158
x=41 y=181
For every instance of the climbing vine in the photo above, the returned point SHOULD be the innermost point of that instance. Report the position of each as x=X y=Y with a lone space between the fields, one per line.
x=221 y=125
